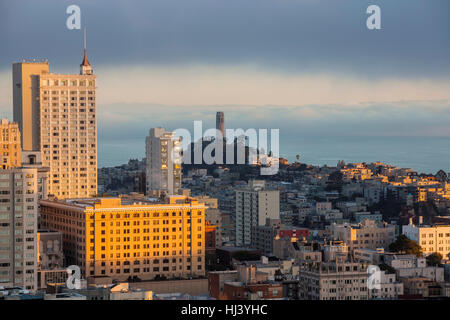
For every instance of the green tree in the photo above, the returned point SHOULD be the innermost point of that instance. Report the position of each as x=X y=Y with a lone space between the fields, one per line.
x=405 y=245
x=434 y=259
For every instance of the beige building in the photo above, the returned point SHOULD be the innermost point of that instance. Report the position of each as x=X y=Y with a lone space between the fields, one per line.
x=432 y=238
x=50 y=249
x=366 y=235
x=389 y=287
x=32 y=159
x=123 y=291
x=26 y=102
x=254 y=205
x=109 y=238
x=18 y=227
x=10 y=144
x=57 y=116
x=213 y=216
x=163 y=162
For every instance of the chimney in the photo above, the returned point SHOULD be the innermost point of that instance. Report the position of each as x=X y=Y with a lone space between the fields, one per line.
x=420 y=220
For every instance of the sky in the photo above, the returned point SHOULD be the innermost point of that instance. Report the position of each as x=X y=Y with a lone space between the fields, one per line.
x=308 y=67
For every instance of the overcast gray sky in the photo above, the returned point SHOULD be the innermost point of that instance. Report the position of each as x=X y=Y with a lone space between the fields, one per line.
x=308 y=66
x=284 y=35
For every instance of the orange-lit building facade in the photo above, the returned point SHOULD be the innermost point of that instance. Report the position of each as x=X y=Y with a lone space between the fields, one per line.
x=10 y=144
x=210 y=238
x=106 y=237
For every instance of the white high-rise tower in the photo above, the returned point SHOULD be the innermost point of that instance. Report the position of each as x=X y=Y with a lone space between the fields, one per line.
x=163 y=166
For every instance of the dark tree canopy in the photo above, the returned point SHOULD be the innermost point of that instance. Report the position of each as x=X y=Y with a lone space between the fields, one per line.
x=434 y=259
x=405 y=246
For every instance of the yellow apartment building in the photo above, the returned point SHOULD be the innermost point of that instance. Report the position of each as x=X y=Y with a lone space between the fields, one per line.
x=10 y=144
x=113 y=238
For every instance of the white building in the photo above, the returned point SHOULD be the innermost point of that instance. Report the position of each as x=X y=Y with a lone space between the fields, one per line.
x=163 y=162
x=389 y=287
x=410 y=266
x=431 y=238
x=254 y=205
x=18 y=227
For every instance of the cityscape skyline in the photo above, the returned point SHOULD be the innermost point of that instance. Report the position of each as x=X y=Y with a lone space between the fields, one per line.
x=333 y=87
x=239 y=150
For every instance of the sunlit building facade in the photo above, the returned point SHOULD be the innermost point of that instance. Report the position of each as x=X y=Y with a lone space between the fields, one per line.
x=57 y=115
x=431 y=238
x=113 y=238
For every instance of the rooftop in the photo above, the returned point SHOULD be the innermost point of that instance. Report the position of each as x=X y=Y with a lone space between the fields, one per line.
x=128 y=203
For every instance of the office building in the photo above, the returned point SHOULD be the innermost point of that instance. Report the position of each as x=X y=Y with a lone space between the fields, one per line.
x=163 y=162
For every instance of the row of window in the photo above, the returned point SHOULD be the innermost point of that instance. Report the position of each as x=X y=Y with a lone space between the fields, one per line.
x=146 y=270
x=72 y=83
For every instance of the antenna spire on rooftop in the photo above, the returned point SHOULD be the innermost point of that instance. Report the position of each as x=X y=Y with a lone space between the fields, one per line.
x=85 y=60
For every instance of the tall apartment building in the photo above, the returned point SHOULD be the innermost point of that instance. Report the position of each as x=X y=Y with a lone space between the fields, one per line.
x=254 y=205
x=18 y=227
x=366 y=235
x=106 y=237
x=432 y=238
x=163 y=162
x=57 y=116
x=220 y=123
x=9 y=144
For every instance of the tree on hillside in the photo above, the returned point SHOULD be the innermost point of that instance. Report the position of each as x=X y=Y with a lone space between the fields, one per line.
x=434 y=259
x=404 y=245
x=335 y=177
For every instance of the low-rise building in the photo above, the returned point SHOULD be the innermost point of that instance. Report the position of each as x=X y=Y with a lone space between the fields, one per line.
x=432 y=238
x=245 y=283
x=367 y=234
